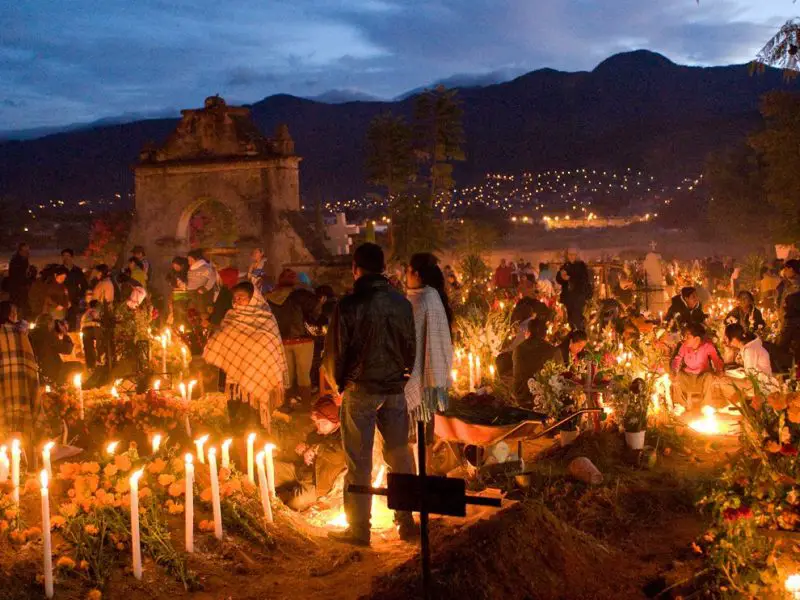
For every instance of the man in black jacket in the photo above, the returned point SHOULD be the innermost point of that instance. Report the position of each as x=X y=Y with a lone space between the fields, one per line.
x=576 y=288
x=529 y=358
x=76 y=286
x=369 y=352
x=685 y=309
x=19 y=281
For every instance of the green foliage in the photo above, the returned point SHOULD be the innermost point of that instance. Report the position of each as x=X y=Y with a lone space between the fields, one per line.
x=472 y=238
x=439 y=137
x=390 y=160
x=369 y=234
x=414 y=228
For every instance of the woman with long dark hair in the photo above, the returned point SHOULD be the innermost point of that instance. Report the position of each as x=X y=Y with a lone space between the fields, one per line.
x=427 y=388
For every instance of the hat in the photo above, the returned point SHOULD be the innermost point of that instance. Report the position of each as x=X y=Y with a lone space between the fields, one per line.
x=287 y=278
x=325 y=408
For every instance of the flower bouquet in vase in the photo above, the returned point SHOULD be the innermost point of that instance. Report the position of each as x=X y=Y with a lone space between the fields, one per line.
x=555 y=396
x=637 y=402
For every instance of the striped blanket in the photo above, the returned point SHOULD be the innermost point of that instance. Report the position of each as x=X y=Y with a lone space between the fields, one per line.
x=19 y=382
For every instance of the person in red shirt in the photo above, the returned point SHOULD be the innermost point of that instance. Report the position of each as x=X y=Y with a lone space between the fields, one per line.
x=503 y=275
x=695 y=366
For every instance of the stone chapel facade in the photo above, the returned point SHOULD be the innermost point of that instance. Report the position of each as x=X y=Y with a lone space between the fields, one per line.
x=217 y=155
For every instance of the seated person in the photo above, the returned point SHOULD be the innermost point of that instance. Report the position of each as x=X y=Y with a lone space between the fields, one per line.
x=91 y=334
x=320 y=460
x=529 y=358
x=754 y=357
x=572 y=347
x=685 y=309
x=746 y=313
x=528 y=306
x=695 y=365
x=49 y=341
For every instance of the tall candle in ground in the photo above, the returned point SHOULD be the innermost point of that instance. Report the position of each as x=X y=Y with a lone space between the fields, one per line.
x=189 y=508
x=46 y=458
x=46 y=538
x=5 y=464
x=136 y=544
x=199 y=443
x=15 y=455
x=76 y=381
x=270 y=464
x=215 y=504
x=264 y=488
x=226 y=453
x=251 y=440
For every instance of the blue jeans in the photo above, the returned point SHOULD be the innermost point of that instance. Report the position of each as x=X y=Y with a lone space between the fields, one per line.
x=360 y=413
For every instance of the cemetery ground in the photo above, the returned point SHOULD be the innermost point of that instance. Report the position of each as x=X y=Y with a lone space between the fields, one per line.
x=629 y=537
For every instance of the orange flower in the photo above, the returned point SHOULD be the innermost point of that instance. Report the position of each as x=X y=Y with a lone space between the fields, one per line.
x=11 y=514
x=772 y=447
x=205 y=495
x=157 y=466
x=3 y=526
x=793 y=414
x=83 y=565
x=205 y=525
x=757 y=402
x=145 y=492
x=122 y=462
x=110 y=470
x=224 y=474
x=65 y=562
x=94 y=595
x=68 y=470
x=777 y=401
x=31 y=485
x=175 y=508
x=90 y=467
x=123 y=485
x=17 y=536
x=166 y=479
x=177 y=488
x=177 y=465
x=57 y=521
x=68 y=510
x=91 y=529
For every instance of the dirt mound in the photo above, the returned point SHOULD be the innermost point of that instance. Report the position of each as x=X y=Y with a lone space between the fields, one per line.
x=522 y=553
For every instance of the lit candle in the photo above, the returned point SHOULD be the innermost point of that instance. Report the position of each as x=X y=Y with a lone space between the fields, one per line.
x=156 y=442
x=199 y=443
x=270 y=464
x=263 y=488
x=157 y=385
x=46 y=458
x=15 y=454
x=226 y=453
x=454 y=376
x=76 y=381
x=491 y=371
x=5 y=465
x=182 y=329
x=183 y=355
x=182 y=390
x=136 y=545
x=251 y=440
x=217 y=509
x=793 y=586
x=47 y=389
x=192 y=383
x=471 y=360
x=478 y=377
x=48 y=545
x=164 y=353
x=189 y=509
x=114 y=392
x=111 y=448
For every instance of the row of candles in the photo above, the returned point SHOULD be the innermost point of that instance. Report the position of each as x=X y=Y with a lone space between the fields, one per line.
x=475 y=376
x=260 y=468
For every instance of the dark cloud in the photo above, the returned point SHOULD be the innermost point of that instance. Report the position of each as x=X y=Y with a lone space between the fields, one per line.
x=79 y=60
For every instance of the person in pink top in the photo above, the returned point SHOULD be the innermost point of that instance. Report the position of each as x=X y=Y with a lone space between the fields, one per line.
x=695 y=366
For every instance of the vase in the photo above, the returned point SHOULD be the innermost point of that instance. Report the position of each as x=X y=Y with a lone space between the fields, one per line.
x=566 y=437
x=634 y=439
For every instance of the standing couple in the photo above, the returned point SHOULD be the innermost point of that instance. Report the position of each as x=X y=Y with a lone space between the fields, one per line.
x=390 y=357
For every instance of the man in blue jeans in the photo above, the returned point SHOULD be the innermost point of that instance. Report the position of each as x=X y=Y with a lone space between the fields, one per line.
x=369 y=351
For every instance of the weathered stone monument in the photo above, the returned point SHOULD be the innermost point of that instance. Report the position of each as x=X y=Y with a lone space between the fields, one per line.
x=218 y=183
x=338 y=239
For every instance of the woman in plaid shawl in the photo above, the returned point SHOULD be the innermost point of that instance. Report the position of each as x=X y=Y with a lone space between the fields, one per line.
x=19 y=377
x=427 y=388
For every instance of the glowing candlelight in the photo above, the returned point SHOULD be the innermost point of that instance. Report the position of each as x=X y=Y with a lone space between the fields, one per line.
x=226 y=453
x=46 y=458
x=15 y=455
x=215 y=505
x=793 y=586
x=192 y=383
x=270 y=464
x=46 y=537
x=47 y=389
x=182 y=329
x=157 y=385
x=478 y=377
x=471 y=360
x=76 y=381
x=163 y=353
x=5 y=464
x=182 y=390
x=263 y=487
x=709 y=424
x=454 y=376
x=251 y=440
x=184 y=357
x=189 y=509
x=114 y=392
x=111 y=448
x=199 y=443
x=491 y=371
x=136 y=545
x=155 y=443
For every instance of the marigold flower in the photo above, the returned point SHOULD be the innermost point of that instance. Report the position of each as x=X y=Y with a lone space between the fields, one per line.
x=110 y=470
x=11 y=513
x=17 y=536
x=122 y=462
x=90 y=467
x=205 y=495
x=157 y=466
x=205 y=525
x=94 y=595
x=4 y=526
x=83 y=565
x=166 y=479
x=772 y=447
x=57 y=522
x=177 y=465
x=68 y=510
x=65 y=562
x=145 y=492
x=176 y=508
x=91 y=529
x=33 y=533
x=777 y=401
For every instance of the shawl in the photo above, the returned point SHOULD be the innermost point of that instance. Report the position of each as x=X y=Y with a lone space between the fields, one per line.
x=248 y=348
x=430 y=377
x=19 y=382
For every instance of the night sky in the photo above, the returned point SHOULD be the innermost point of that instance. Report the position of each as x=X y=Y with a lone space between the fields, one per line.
x=67 y=61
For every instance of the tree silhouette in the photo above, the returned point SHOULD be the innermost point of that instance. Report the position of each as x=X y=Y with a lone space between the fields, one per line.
x=389 y=160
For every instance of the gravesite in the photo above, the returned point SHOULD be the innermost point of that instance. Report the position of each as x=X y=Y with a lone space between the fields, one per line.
x=530 y=330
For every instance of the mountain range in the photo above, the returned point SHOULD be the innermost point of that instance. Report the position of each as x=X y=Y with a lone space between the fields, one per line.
x=636 y=109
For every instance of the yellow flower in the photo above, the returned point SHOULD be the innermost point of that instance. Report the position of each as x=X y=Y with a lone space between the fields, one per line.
x=65 y=562
x=91 y=529
x=68 y=510
x=166 y=479
x=176 y=508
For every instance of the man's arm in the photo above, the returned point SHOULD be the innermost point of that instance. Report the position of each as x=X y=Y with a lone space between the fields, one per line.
x=336 y=343
x=559 y=279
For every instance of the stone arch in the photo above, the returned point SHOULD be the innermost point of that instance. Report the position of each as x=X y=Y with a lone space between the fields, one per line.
x=227 y=216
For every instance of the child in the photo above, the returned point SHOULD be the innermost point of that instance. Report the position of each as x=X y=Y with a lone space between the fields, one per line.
x=91 y=334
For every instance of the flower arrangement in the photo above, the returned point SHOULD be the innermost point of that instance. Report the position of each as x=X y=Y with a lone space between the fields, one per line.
x=553 y=394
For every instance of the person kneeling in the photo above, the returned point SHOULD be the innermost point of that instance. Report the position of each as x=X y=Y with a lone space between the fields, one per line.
x=695 y=365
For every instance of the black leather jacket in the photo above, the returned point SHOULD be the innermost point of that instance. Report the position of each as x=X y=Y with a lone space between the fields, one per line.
x=371 y=341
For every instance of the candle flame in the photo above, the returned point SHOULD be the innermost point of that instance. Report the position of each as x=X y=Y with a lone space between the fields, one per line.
x=47 y=447
x=15 y=445
x=182 y=388
x=114 y=392
x=156 y=442
x=43 y=478
x=157 y=384
x=202 y=439
x=3 y=450
x=135 y=477
x=793 y=583
x=260 y=458
x=709 y=424
x=227 y=443
x=76 y=381
x=188 y=458
x=112 y=447
x=47 y=389
x=251 y=437
x=454 y=375
x=269 y=447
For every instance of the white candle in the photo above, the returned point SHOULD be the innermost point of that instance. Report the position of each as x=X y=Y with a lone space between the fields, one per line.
x=183 y=355
x=264 y=488
x=15 y=454
x=268 y=449
x=111 y=448
x=5 y=465
x=192 y=383
x=164 y=353
x=478 y=377
x=471 y=360
x=46 y=458
x=217 y=509
x=226 y=453
x=199 y=443
x=48 y=545
x=156 y=442
x=157 y=385
x=189 y=509
x=76 y=381
x=182 y=390
x=251 y=440
x=491 y=371
x=136 y=545
x=454 y=376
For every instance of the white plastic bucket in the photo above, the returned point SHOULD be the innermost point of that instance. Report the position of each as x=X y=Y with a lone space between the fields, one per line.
x=635 y=439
